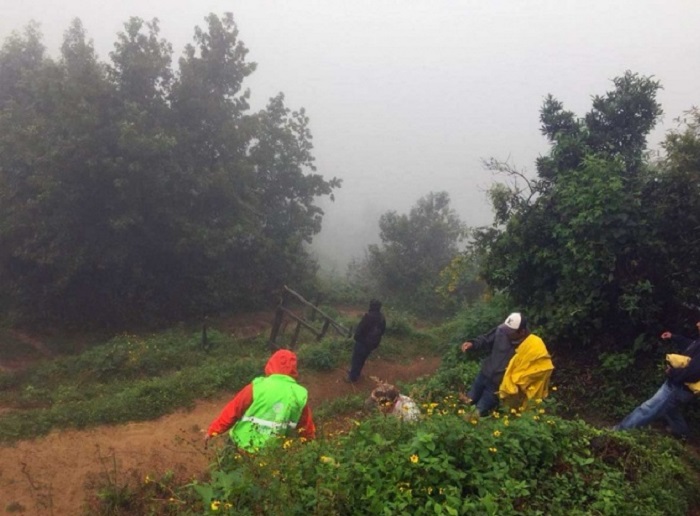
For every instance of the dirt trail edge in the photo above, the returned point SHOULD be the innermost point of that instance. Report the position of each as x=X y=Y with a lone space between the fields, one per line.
x=52 y=475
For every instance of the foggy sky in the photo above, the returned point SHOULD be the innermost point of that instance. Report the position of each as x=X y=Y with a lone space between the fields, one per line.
x=406 y=97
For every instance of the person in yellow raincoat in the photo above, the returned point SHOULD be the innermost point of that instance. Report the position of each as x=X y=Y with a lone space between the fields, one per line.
x=528 y=373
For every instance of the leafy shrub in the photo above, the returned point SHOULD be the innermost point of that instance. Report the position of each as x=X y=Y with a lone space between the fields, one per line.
x=321 y=356
x=512 y=463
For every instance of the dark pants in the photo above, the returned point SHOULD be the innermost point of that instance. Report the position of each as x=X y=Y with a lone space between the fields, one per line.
x=359 y=356
x=483 y=395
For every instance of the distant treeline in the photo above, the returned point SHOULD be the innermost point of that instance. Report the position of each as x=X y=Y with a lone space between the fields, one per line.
x=134 y=191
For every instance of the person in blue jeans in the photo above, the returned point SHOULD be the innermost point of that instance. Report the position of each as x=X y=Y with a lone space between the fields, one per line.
x=673 y=393
x=502 y=341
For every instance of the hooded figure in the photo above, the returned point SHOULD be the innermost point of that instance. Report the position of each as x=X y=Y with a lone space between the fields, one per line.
x=367 y=336
x=271 y=405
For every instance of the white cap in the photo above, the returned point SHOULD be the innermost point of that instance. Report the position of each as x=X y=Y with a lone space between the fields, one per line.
x=513 y=321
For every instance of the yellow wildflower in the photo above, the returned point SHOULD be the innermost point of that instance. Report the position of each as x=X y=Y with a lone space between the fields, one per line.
x=536 y=418
x=215 y=505
x=541 y=411
x=473 y=421
x=497 y=433
x=460 y=411
x=493 y=450
x=506 y=422
x=414 y=458
x=554 y=388
x=287 y=444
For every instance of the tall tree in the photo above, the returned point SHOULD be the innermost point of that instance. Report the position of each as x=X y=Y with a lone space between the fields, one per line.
x=129 y=190
x=415 y=248
x=576 y=245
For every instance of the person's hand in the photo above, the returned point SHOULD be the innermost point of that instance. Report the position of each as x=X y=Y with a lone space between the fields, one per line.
x=466 y=345
x=666 y=335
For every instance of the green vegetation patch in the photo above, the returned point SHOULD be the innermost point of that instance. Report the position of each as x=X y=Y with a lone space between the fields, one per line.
x=511 y=463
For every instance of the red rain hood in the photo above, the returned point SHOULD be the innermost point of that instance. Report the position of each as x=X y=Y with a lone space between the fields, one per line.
x=282 y=361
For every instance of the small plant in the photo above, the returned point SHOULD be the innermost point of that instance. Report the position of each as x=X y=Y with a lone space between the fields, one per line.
x=321 y=356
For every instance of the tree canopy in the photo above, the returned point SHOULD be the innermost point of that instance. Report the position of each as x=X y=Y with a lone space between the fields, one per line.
x=414 y=249
x=600 y=242
x=133 y=190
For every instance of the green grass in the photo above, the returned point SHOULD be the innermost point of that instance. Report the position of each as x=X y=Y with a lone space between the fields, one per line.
x=12 y=348
x=142 y=377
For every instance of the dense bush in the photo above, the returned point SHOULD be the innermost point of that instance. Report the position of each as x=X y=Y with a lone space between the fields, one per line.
x=130 y=188
x=512 y=463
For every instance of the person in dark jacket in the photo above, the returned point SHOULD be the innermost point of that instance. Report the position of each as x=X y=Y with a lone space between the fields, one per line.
x=368 y=335
x=673 y=393
x=502 y=341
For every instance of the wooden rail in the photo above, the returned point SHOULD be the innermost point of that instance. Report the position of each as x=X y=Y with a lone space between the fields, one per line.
x=283 y=311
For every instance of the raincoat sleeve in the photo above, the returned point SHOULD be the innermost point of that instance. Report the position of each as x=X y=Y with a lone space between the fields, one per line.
x=306 y=426
x=233 y=411
x=484 y=341
x=681 y=341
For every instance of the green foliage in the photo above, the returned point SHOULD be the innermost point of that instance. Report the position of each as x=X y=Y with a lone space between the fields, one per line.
x=339 y=406
x=130 y=378
x=459 y=282
x=322 y=356
x=583 y=246
x=675 y=198
x=120 y=493
x=474 y=319
x=128 y=189
x=336 y=290
x=516 y=463
x=399 y=323
x=414 y=249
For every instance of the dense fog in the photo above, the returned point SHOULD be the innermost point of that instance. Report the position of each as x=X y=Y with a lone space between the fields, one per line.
x=405 y=98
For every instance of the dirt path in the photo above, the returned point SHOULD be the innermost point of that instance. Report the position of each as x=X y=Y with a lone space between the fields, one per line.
x=48 y=476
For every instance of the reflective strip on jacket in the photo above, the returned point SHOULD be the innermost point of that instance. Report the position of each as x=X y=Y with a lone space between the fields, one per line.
x=278 y=401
